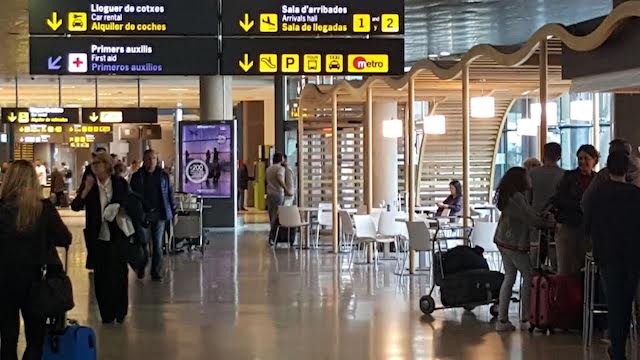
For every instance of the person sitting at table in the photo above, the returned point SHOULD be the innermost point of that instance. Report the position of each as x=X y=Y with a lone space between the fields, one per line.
x=453 y=202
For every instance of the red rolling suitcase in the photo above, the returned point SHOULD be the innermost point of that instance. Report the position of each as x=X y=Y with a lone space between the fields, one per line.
x=556 y=302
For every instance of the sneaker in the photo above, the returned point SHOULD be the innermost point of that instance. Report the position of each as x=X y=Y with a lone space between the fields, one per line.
x=524 y=325
x=140 y=274
x=504 y=326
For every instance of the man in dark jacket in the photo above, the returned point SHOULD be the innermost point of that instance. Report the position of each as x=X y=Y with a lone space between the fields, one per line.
x=611 y=222
x=152 y=183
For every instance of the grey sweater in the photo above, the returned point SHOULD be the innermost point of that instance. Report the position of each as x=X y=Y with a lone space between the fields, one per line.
x=517 y=224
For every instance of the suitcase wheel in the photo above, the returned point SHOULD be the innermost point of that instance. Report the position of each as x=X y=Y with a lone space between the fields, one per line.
x=494 y=310
x=427 y=304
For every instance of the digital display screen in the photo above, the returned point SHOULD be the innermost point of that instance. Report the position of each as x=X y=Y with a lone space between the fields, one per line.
x=206 y=158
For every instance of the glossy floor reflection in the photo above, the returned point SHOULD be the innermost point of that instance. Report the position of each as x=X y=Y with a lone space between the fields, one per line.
x=243 y=302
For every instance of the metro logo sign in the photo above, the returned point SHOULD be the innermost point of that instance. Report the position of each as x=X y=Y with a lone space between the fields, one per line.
x=368 y=63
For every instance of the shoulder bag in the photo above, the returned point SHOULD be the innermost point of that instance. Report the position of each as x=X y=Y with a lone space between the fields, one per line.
x=52 y=294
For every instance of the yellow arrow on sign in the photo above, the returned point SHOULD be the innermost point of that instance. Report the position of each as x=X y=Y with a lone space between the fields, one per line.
x=246 y=64
x=246 y=24
x=12 y=117
x=93 y=117
x=53 y=22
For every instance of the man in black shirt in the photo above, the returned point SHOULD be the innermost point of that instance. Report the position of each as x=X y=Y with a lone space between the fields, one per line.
x=152 y=183
x=611 y=222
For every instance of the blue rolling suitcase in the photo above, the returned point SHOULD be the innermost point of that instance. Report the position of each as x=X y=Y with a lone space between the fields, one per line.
x=74 y=343
x=66 y=339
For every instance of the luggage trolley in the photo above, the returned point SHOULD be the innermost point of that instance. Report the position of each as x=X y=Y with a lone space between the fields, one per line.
x=189 y=227
x=451 y=231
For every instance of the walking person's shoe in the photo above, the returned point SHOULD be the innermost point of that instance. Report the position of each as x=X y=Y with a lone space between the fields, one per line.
x=504 y=326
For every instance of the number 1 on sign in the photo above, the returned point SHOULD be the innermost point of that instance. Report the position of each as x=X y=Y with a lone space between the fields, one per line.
x=362 y=23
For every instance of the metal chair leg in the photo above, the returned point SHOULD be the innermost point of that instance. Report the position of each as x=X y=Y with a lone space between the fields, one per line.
x=275 y=241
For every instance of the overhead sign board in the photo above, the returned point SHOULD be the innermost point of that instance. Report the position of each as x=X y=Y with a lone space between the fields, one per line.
x=129 y=132
x=119 y=115
x=151 y=132
x=40 y=138
x=120 y=17
x=123 y=56
x=40 y=115
x=312 y=57
x=312 y=17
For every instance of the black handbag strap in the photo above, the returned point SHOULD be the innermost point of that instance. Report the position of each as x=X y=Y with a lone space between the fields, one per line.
x=43 y=239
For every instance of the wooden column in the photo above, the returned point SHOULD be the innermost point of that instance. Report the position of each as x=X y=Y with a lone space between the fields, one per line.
x=544 y=95
x=368 y=151
x=334 y=173
x=369 y=164
x=301 y=179
x=466 y=144
x=410 y=173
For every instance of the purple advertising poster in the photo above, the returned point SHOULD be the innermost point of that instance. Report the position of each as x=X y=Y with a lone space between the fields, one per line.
x=206 y=159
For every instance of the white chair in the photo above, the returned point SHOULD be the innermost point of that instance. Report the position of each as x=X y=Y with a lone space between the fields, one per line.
x=365 y=232
x=325 y=219
x=347 y=230
x=389 y=230
x=420 y=240
x=375 y=215
x=289 y=218
x=482 y=235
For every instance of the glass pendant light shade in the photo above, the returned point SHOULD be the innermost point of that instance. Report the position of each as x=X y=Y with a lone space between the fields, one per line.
x=483 y=107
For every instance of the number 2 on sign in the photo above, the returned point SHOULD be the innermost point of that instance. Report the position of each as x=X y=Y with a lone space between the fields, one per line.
x=390 y=23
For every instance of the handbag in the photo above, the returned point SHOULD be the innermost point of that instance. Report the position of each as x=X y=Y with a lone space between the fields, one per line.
x=52 y=294
x=133 y=251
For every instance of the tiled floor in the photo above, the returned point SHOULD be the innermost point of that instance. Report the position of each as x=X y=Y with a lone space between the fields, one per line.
x=243 y=301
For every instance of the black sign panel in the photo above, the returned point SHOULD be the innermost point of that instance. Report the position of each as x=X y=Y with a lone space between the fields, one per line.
x=120 y=115
x=313 y=17
x=123 y=56
x=44 y=115
x=120 y=17
x=129 y=132
x=151 y=132
x=313 y=57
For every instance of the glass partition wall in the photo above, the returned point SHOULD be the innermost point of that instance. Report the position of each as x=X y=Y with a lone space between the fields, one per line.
x=570 y=123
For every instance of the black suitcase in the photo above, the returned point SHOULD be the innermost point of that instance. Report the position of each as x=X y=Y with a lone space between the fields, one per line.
x=457 y=260
x=470 y=287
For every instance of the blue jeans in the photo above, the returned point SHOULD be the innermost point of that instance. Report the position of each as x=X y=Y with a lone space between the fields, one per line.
x=154 y=235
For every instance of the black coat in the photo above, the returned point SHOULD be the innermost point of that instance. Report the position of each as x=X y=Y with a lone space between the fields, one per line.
x=91 y=204
x=568 y=198
x=243 y=177
x=29 y=247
